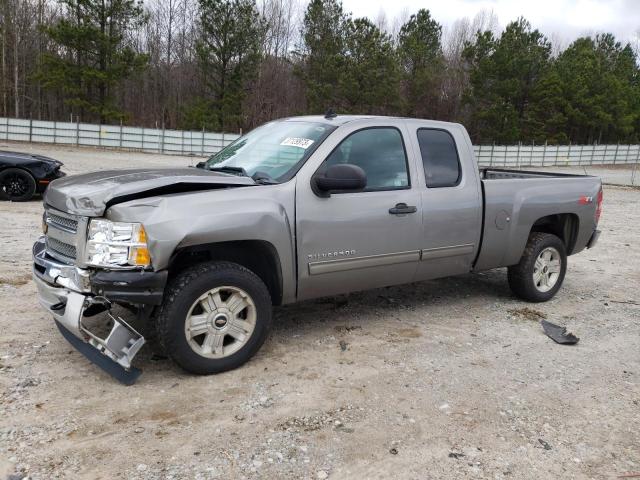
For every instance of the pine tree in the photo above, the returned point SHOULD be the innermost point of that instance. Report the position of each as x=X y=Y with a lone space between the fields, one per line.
x=229 y=50
x=422 y=63
x=94 y=54
x=503 y=75
x=546 y=118
x=597 y=77
x=369 y=83
x=322 y=53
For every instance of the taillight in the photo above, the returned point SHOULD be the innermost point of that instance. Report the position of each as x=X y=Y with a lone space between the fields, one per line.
x=599 y=206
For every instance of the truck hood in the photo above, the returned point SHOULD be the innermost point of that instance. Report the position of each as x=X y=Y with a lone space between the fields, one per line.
x=92 y=193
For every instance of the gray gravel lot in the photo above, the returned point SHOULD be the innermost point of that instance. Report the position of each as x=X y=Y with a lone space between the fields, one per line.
x=444 y=379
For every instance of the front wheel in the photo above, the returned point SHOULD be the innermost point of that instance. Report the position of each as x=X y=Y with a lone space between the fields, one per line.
x=541 y=270
x=214 y=317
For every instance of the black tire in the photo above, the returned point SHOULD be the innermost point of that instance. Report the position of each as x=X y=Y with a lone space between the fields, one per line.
x=521 y=276
x=16 y=185
x=185 y=289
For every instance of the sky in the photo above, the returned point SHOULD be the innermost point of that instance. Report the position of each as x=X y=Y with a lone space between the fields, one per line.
x=562 y=19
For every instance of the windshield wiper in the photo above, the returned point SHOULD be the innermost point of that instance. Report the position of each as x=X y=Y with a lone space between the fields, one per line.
x=258 y=177
x=263 y=178
x=241 y=172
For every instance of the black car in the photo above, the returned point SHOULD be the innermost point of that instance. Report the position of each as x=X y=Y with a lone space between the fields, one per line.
x=22 y=175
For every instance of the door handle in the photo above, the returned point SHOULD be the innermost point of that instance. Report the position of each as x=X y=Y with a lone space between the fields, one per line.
x=402 y=209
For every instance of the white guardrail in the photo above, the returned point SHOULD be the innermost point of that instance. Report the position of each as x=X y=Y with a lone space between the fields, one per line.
x=174 y=142
x=555 y=155
x=182 y=142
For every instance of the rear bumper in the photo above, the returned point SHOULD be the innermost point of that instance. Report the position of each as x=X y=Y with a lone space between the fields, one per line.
x=594 y=239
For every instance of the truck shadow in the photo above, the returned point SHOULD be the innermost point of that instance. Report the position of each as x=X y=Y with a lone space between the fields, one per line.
x=313 y=320
x=457 y=291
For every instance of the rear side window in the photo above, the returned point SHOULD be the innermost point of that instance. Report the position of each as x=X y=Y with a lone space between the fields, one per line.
x=439 y=157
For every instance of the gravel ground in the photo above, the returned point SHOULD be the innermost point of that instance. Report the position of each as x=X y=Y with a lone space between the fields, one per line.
x=445 y=379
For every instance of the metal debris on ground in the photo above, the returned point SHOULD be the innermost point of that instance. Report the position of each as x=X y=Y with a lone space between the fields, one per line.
x=544 y=444
x=558 y=334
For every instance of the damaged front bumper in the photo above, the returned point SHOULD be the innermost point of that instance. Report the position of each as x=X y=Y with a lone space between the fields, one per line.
x=65 y=292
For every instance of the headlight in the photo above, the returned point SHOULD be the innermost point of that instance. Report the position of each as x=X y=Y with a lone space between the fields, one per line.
x=116 y=244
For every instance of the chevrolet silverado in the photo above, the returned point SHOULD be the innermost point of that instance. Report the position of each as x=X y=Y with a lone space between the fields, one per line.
x=296 y=209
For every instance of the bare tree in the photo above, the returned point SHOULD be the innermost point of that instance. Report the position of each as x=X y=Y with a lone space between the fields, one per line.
x=558 y=44
x=157 y=96
x=456 y=79
x=3 y=85
x=382 y=21
x=277 y=92
x=399 y=21
x=22 y=44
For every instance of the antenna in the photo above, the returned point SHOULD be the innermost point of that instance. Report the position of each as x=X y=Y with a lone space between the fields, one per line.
x=330 y=114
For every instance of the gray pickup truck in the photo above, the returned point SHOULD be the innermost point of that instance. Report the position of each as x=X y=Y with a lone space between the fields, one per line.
x=298 y=208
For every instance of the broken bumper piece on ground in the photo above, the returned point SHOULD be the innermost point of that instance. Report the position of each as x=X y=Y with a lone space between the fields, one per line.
x=114 y=353
x=57 y=294
x=126 y=376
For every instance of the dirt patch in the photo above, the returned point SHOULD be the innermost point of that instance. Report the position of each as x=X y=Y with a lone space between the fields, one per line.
x=17 y=280
x=527 y=313
x=409 y=332
x=336 y=418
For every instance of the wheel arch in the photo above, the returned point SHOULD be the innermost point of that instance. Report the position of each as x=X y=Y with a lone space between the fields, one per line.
x=566 y=226
x=18 y=167
x=259 y=256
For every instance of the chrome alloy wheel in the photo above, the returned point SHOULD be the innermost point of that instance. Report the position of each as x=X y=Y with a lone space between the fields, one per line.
x=220 y=322
x=546 y=269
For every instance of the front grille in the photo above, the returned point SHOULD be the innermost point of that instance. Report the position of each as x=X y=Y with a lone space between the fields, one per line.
x=61 y=248
x=64 y=223
x=65 y=235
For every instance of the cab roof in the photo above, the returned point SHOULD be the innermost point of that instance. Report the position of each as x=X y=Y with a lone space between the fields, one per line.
x=335 y=120
x=339 y=120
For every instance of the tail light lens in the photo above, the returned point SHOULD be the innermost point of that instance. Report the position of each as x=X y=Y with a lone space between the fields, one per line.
x=599 y=206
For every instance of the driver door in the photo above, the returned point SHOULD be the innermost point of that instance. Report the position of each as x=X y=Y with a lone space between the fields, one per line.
x=359 y=240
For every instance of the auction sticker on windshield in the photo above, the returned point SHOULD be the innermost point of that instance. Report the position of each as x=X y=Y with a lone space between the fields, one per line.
x=297 y=142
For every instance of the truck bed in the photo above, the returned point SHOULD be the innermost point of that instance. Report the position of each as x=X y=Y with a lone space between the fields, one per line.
x=498 y=173
x=515 y=201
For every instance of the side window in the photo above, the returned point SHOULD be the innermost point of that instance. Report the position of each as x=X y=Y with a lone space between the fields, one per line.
x=379 y=152
x=439 y=157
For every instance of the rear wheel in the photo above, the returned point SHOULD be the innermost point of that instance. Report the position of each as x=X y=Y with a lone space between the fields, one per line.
x=16 y=185
x=541 y=270
x=214 y=317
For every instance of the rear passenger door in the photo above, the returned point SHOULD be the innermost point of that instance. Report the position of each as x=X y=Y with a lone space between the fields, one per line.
x=450 y=199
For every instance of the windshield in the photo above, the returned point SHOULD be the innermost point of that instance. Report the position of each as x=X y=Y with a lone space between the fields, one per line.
x=272 y=151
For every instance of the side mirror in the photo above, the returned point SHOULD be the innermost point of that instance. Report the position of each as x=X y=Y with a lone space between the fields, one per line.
x=340 y=177
x=200 y=164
